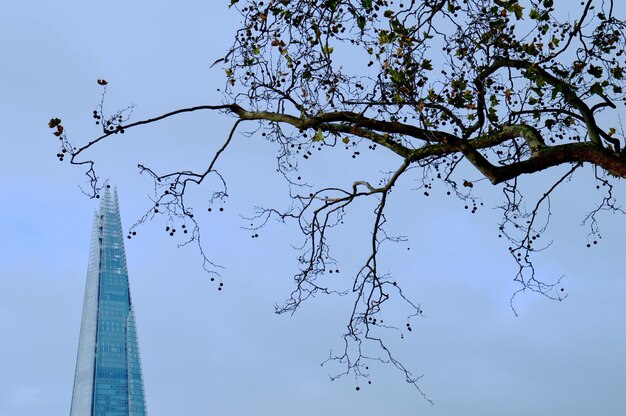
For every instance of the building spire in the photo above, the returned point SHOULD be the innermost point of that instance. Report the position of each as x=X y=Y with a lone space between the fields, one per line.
x=108 y=378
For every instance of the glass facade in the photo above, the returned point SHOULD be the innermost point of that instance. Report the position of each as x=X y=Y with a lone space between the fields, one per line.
x=108 y=380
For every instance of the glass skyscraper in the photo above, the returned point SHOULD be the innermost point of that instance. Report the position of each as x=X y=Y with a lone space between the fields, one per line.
x=108 y=380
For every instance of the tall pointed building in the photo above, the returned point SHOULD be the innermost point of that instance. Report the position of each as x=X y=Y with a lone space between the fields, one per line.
x=108 y=380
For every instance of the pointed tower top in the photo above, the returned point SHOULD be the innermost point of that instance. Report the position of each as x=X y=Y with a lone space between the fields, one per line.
x=109 y=381
x=108 y=202
x=105 y=197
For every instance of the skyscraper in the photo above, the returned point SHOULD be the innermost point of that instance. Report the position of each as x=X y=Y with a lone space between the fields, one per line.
x=108 y=380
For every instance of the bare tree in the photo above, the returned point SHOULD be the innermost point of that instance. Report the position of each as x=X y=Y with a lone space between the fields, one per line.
x=508 y=87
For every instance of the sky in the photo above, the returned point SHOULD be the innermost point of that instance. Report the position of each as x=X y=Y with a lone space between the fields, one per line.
x=207 y=352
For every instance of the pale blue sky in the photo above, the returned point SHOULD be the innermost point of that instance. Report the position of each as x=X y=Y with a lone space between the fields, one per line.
x=207 y=352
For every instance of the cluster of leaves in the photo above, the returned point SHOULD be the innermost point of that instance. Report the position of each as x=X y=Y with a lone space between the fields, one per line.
x=507 y=87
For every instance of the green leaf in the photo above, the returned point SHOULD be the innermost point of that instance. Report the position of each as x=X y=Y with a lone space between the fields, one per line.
x=518 y=10
x=534 y=14
x=366 y=3
x=346 y=140
x=596 y=71
x=618 y=72
x=319 y=136
x=360 y=22
x=332 y=4
x=385 y=37
x=530 y=48
x=596 y=88
x=397 y=76
x=555 y=92
x=540 y=82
